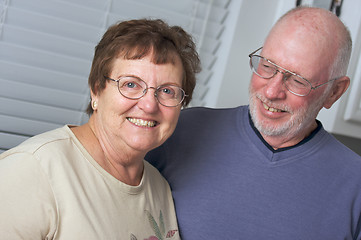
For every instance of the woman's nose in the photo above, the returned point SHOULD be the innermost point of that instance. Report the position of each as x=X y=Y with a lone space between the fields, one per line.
x=149 y=102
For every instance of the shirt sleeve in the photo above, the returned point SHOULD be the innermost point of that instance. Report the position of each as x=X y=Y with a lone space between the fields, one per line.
x=27 y=204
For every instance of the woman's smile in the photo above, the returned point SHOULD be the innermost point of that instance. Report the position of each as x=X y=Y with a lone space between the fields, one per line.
x=142 y=123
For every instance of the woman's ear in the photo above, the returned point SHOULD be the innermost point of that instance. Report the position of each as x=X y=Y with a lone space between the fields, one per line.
x=338 y=89
x=94 y=100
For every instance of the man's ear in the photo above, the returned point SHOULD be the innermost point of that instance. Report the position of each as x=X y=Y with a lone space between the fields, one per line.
x=339 y=87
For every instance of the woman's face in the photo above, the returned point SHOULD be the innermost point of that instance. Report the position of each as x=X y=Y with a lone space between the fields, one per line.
x=136 y=125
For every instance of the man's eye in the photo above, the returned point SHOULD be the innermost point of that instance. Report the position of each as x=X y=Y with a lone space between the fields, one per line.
x=297 y=82
x=267 y=67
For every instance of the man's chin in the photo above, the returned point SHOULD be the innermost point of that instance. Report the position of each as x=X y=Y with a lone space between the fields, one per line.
x=271 y=131
x=272 y=128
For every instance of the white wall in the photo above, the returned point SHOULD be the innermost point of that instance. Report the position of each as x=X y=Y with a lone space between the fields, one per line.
x=255 y=19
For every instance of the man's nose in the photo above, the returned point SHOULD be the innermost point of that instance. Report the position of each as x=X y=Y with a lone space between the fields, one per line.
x=275 y=89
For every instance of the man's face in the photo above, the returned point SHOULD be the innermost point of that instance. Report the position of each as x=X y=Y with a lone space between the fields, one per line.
x=277 y=112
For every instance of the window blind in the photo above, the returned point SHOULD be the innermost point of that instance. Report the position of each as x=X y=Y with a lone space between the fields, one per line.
x=46 y=49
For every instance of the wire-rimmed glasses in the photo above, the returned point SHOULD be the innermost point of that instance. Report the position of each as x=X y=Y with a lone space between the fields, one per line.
x=294 y=83
x=134 y=88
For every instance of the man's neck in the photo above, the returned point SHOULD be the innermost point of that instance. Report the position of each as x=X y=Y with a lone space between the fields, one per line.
x=289 y=140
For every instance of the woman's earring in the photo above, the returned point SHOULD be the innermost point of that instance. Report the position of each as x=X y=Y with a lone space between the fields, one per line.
x=94 y=105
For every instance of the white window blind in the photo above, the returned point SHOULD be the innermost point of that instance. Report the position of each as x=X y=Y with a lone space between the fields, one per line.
x=46 y=48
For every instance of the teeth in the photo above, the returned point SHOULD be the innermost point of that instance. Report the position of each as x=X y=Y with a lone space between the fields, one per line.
x=141 y=122
x=271 y=109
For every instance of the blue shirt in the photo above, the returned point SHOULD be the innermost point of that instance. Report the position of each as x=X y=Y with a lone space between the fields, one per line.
x=227 y=183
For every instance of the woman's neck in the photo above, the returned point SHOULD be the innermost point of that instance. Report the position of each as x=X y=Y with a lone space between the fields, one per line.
x=127 y=168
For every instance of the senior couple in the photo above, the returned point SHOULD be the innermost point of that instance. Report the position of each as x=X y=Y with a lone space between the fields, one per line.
x=264 y=171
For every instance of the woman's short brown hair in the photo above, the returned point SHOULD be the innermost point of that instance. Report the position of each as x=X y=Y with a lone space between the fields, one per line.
x=136 y=39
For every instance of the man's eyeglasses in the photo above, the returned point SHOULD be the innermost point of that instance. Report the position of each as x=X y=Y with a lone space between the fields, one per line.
x=135 y=88
x=294 y=83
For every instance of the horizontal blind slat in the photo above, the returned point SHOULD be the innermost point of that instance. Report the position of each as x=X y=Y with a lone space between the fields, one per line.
x=65 y=10
x=219 y=3
x=93 y=4
x=43 y=59
x=42 y=95
x=8 y=140
x=39 y=112
x=184 y=6
x=47 y=42
x=23 y=126
x=217 y=14
x=51 y=25
x=43 y=77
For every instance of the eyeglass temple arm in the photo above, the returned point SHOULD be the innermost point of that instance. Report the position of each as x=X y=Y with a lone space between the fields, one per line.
x=324 y=83
x=108 y=78
x=255 y=51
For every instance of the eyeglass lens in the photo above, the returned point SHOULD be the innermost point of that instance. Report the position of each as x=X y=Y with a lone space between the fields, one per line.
x=135 y=88
x=266 y=69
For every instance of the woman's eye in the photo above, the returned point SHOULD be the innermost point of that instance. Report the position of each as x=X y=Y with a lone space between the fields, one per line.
x=167 y=91
x=130 y=85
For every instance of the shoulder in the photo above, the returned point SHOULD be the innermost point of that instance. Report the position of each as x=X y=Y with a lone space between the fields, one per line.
x=199 y=111
x=41 y=141
x=156 y=181
x=26 y=160
x=35 y=154
x=28 y=195
x=196 y=125
x=333 y=143
x=205 y=116
x=153 y=174
x=334 y=149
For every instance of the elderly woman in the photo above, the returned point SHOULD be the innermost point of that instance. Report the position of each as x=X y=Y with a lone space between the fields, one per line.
x=91 y=181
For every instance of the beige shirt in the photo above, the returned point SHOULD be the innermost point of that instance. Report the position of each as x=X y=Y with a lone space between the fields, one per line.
x=51 y=188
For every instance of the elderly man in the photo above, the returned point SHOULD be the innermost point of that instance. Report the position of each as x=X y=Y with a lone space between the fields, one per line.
x=269 y=170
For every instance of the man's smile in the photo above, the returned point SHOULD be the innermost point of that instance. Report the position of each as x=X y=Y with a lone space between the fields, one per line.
x=271 y=109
